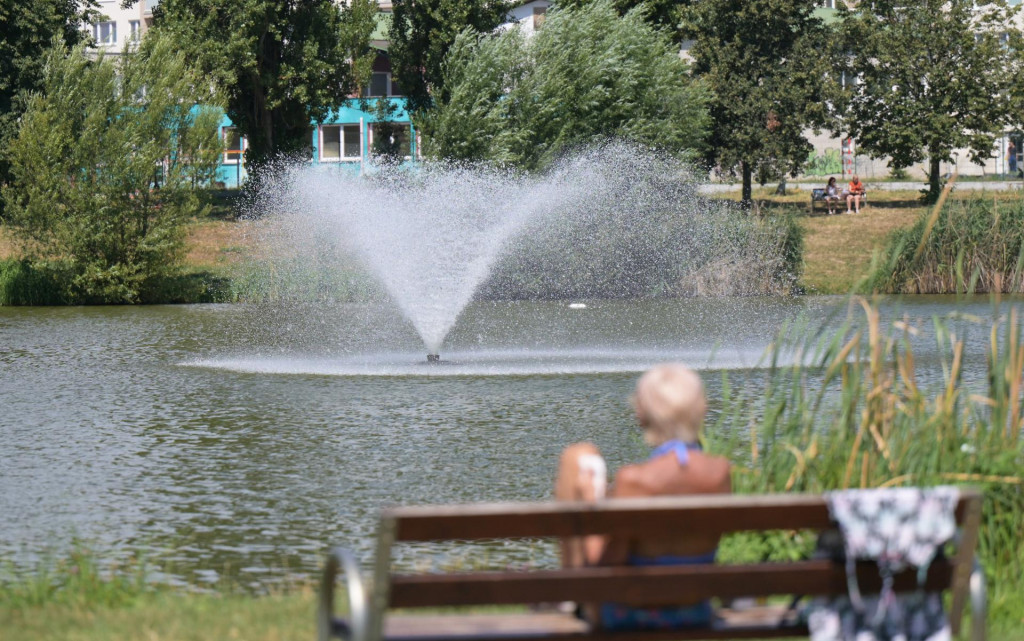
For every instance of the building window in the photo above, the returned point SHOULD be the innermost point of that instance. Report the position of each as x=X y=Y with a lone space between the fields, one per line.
x=353 y=147
x=234 y=145
x=378 y=85
x=381 y=85
x=330 y=142
x=340 y=142
x=136 y=31
x=105 y=33
x=391 y=139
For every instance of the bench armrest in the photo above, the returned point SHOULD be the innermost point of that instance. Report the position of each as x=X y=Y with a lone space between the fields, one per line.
x=979 y=602
x=328 y=626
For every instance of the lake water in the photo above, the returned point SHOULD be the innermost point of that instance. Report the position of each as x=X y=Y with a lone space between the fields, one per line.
x=241 y=441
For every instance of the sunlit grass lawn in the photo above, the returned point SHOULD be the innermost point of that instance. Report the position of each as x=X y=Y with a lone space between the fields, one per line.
x=214 y=244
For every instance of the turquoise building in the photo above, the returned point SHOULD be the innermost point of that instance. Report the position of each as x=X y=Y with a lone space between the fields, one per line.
x=344 y=141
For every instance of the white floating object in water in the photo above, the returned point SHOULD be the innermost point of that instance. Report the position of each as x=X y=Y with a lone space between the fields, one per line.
x=577 y=306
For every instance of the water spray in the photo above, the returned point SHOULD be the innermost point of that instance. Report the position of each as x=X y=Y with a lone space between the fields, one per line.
x=433 y=358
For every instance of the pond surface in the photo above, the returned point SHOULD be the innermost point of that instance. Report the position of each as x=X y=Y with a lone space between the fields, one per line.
x=241 y=441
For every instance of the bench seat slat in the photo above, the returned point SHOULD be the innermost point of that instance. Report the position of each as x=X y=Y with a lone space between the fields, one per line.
x=646 y=585
x=762 y=622
x=662 y=516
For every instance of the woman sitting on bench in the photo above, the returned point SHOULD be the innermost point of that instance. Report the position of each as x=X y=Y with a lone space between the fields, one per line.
x=670 y=407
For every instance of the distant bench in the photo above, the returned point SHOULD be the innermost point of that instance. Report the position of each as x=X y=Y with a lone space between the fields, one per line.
x=639 y=586
x=818 y=202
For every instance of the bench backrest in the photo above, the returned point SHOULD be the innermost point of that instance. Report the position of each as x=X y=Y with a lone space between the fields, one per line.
x=658 y=517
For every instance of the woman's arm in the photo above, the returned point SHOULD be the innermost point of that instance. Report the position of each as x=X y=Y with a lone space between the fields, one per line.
x=616 y=550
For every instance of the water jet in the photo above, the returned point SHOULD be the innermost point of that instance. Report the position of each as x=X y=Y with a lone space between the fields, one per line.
x=611 y=222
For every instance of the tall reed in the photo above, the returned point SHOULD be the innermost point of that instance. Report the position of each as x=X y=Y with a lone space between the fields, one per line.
x=965 y=246
x=850 y=410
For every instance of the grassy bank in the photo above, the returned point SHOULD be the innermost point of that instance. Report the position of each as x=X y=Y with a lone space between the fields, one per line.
x=167 y=617
x=839 y=251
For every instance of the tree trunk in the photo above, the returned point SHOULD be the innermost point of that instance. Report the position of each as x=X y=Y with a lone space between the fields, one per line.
x=747 y=197
x=934 y=186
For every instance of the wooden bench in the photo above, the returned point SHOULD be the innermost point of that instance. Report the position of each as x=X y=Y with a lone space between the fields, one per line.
x=818 y=202
x=642 y=586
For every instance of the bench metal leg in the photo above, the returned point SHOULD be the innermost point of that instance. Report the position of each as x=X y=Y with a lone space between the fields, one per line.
x=979 y=602
x=329 y=627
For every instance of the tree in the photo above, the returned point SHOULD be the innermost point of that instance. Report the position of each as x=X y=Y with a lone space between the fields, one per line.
x=587 y=76
x=930 y=78
x=106 y=165
x=423 y=31
x=664 y=14
x=282 y=64
x=769 y=64
x=26 y=29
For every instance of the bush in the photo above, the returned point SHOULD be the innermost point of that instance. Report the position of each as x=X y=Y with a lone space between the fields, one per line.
x=23 y=282
x=106 y=167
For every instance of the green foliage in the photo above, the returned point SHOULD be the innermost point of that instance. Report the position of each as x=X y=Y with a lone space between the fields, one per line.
x=663 y=14
x=78 y=580
x=860 y=416
x=281 y=63
x=106 y=167
x=932 y=78
x=22 y=283
x=423 y=31
x=26 y=29
x=971 y=246
x=769 y=66
x=587 y=76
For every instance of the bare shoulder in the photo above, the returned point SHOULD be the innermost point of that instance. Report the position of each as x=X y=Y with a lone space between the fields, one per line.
x=720 y=473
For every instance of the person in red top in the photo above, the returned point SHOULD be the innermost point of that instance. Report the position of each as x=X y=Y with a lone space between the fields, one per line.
x=854 y=195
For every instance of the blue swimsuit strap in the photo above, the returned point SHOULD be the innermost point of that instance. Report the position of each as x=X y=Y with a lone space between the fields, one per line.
x=677 y=447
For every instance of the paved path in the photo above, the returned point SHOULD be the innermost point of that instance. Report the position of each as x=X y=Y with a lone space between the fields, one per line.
x=961 y=185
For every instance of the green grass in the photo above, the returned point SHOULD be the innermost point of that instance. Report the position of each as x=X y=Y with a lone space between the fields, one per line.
x=78 y=598
x=167 y=617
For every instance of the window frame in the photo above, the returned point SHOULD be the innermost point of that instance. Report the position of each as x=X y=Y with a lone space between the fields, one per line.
x=342 y=157
x=409 y=137
x=390 y=83
x=233 y=156
x=97 y=29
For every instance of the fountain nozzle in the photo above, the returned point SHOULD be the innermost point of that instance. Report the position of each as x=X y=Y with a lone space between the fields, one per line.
x=433 y=358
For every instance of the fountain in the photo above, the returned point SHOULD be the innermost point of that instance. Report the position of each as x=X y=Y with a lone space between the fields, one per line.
x=611 y=221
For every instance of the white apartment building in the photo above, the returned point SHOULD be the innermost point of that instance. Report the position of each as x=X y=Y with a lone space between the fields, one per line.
x=528 y=14
x=118 y=27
